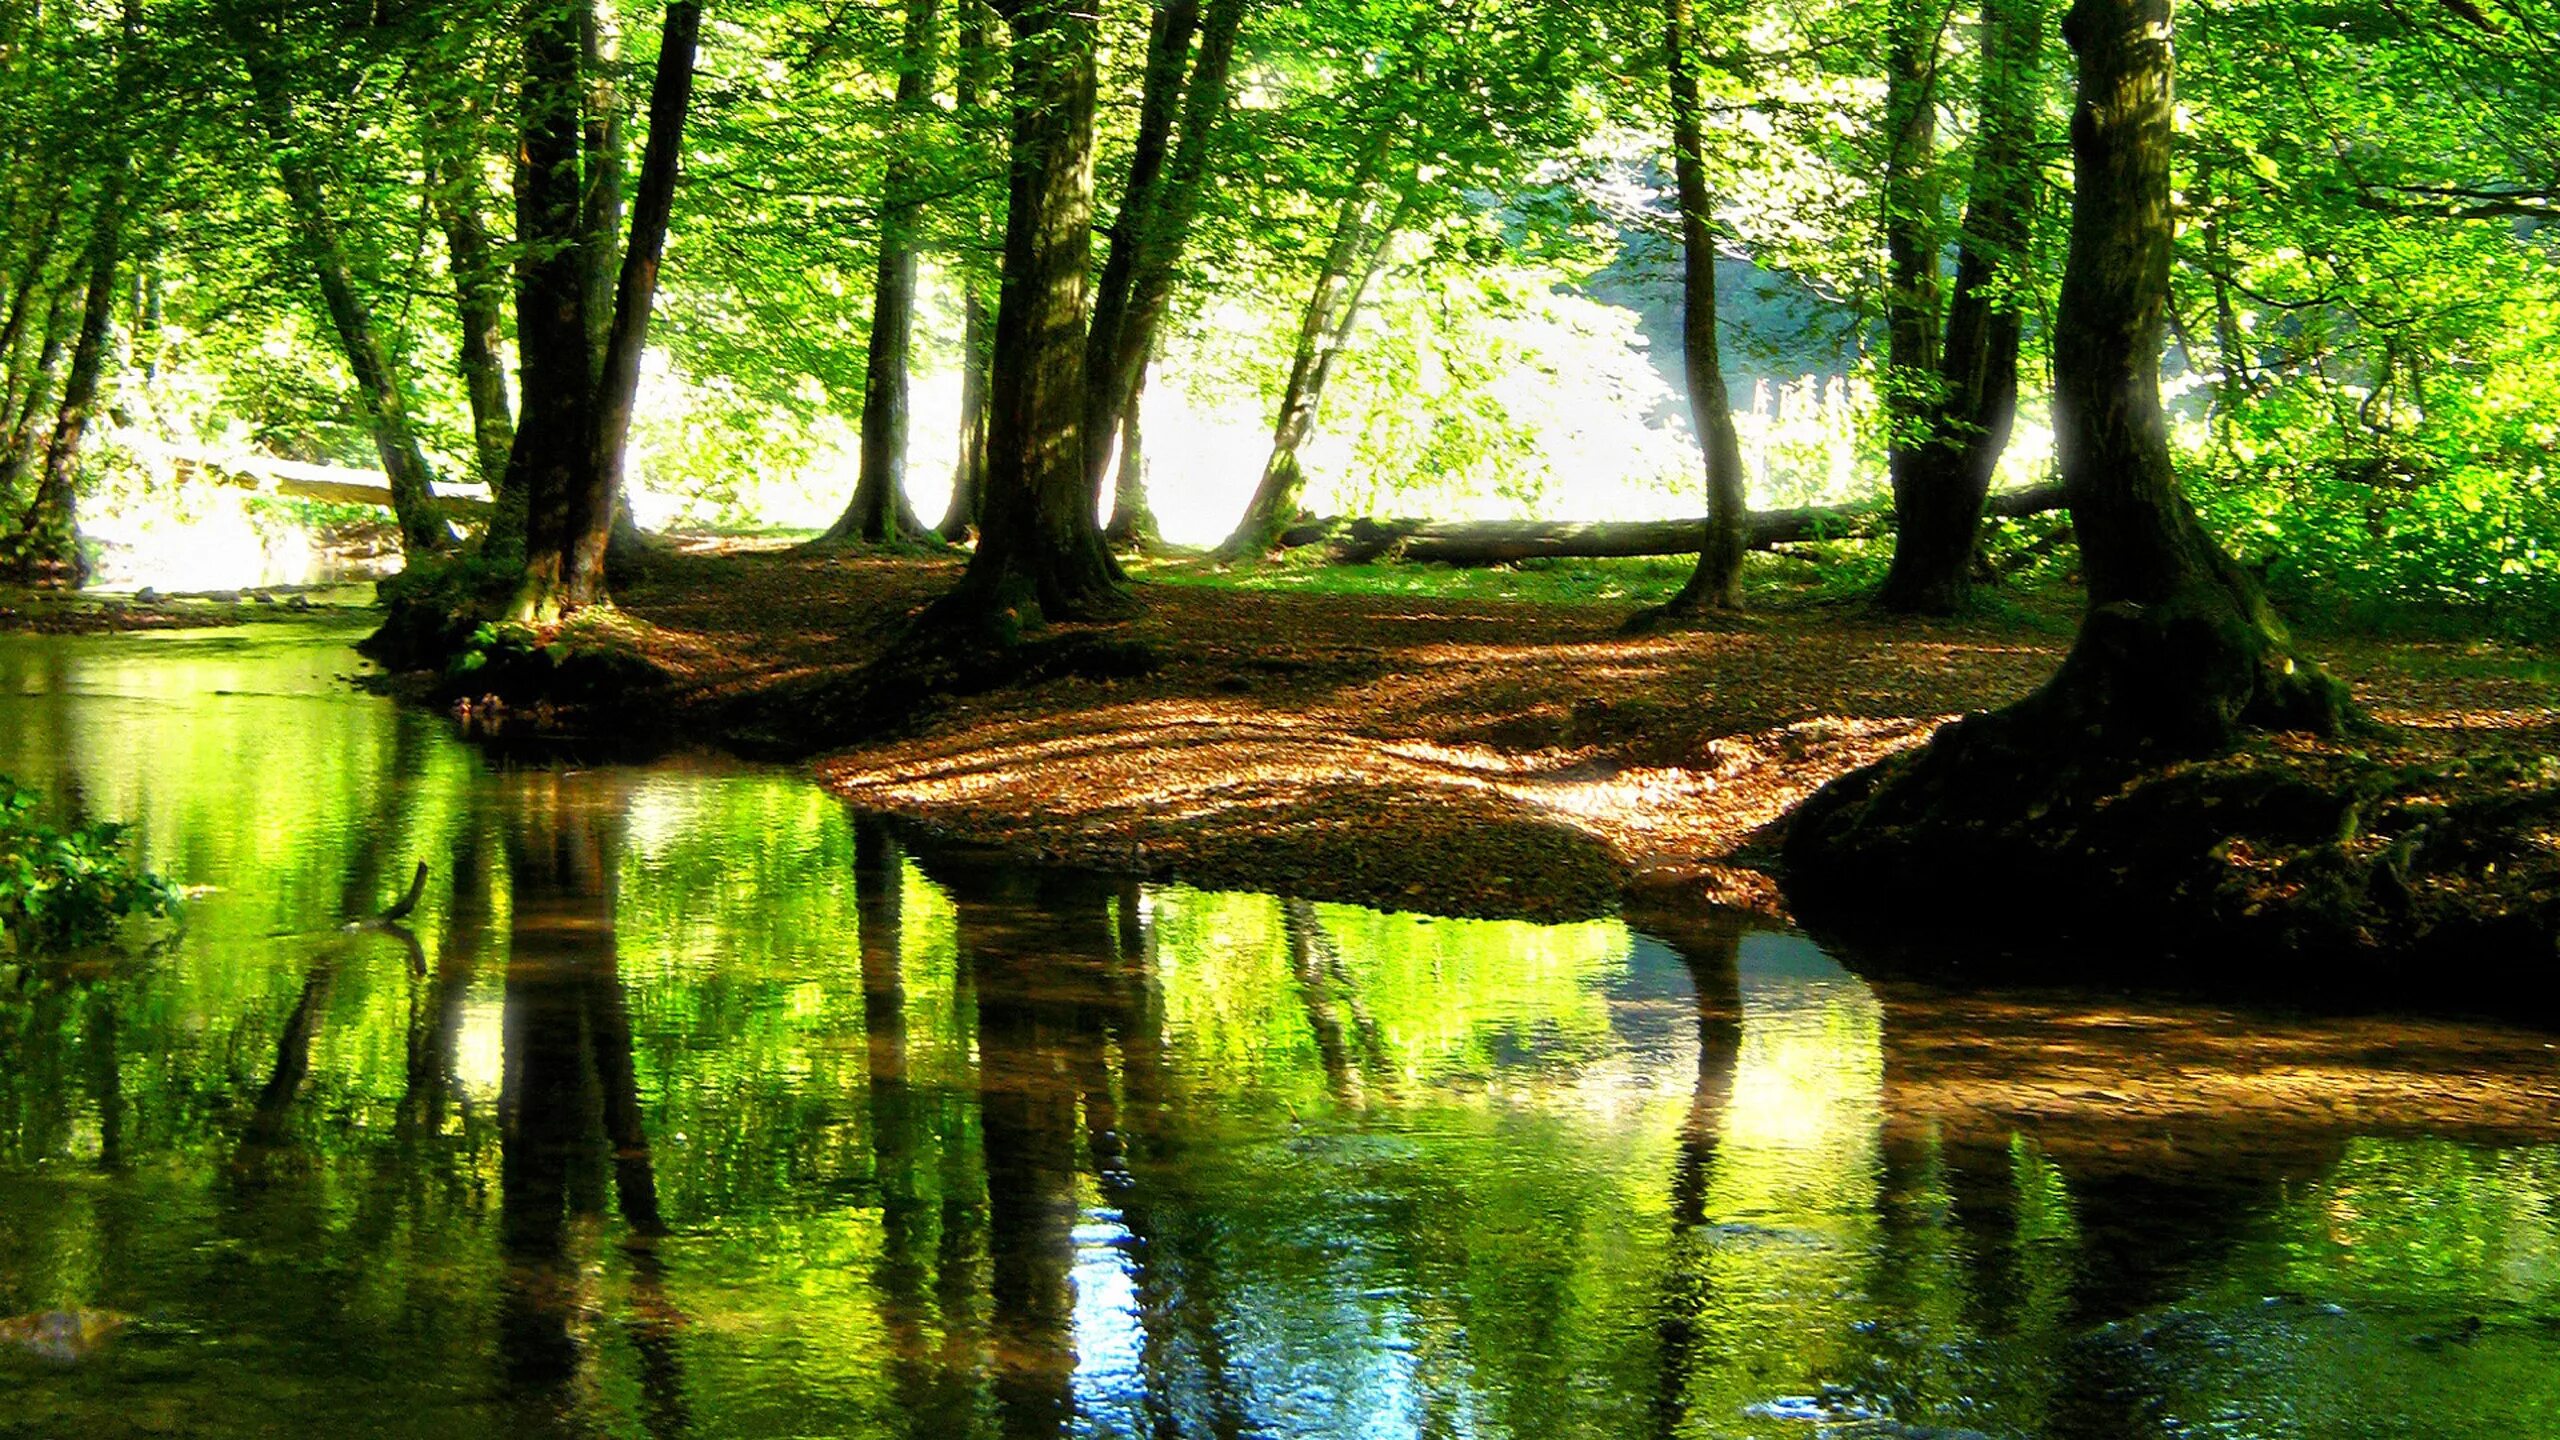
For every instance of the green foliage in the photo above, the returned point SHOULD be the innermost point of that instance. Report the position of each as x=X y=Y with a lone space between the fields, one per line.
x=63 y=889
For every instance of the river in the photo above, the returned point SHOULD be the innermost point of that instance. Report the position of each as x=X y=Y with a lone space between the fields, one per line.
x=686 y=1103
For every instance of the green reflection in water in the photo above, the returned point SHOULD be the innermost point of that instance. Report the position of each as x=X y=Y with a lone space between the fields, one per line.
x=688 y=1104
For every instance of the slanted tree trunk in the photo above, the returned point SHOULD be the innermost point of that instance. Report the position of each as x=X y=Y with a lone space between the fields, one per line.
x=1954 y=434
x=1351 y=263
x=1040 y=552
x=22 y=298
x=636 y=288
x=378 y=395
x=48 y=368
x=46 y=549
x=577 y=405
x=1133 y=523
x=1717 y=582
x=1167 y=183
x=878 y=513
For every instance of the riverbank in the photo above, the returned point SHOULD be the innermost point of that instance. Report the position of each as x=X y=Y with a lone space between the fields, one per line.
x=1455 y=750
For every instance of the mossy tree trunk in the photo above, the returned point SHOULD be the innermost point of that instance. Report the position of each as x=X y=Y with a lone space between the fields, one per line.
x=2178 y=653
x=1040 y=554
x=578 y=399
x=1717 y=582
x=2179 y=648
x=1953 y=421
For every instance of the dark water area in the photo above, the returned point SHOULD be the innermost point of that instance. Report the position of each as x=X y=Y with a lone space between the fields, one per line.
x=686 y=1104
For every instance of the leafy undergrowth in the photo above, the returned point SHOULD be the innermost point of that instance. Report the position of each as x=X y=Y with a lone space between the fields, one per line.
x=1438 y=746
x=68 y=887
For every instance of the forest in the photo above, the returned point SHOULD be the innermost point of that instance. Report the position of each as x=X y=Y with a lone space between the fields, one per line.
x=1221 y=718
x=784 y=377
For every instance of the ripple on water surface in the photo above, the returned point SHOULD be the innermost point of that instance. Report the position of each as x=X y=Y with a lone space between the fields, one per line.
x=686 y=1104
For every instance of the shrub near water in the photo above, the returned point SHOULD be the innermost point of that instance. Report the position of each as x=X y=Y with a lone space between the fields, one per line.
x=61 y=889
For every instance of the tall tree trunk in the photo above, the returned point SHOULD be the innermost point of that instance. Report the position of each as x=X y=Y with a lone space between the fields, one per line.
x=455 y=194
x=601 y=145
x=1040 y=552
x=969 y=477
x=548 y=464
x=2179 y=648
x=878 y=512
x=385 y=409
x=1174 y=25
x=577 y=473
x=1951 y=439
x=1717 y=582
x=1153 y=229
x=1133 y=523
x=977 y=339
x=1352 y=260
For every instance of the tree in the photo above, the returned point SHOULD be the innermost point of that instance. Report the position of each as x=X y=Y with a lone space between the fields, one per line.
x=1040 y=553
x=2178 y=652
x=1717 y=582
x=264 y=53
x=1446 y=106
x=1166 y=186
x=878 y=512
x=578 y=394
x=46 y=549
x=1953 y=392
x=959 y=521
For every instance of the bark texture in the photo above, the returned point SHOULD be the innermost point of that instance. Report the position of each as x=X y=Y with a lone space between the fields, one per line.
x=1717 y=582
x=578 y=400
x=1953 y=422
x=1040 y=553
x=2178 y=654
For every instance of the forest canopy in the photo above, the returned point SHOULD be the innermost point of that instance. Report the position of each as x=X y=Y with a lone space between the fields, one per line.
x=1355 y=257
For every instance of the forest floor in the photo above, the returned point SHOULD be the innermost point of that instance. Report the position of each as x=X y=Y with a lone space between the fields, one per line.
x=1419 y=739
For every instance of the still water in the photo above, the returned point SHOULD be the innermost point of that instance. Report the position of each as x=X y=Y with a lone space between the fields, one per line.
x=685 y=1104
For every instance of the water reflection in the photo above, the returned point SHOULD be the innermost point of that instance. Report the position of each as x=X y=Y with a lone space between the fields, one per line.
x=685 y=1104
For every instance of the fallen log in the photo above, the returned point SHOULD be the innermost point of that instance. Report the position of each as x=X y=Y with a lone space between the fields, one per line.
x=338 y=485
x=1498 y=542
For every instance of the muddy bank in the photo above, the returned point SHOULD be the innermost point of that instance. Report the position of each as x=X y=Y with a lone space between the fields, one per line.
x=1465 y=756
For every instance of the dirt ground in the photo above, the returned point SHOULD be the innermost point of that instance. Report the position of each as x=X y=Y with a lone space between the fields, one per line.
x=1464 y=756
